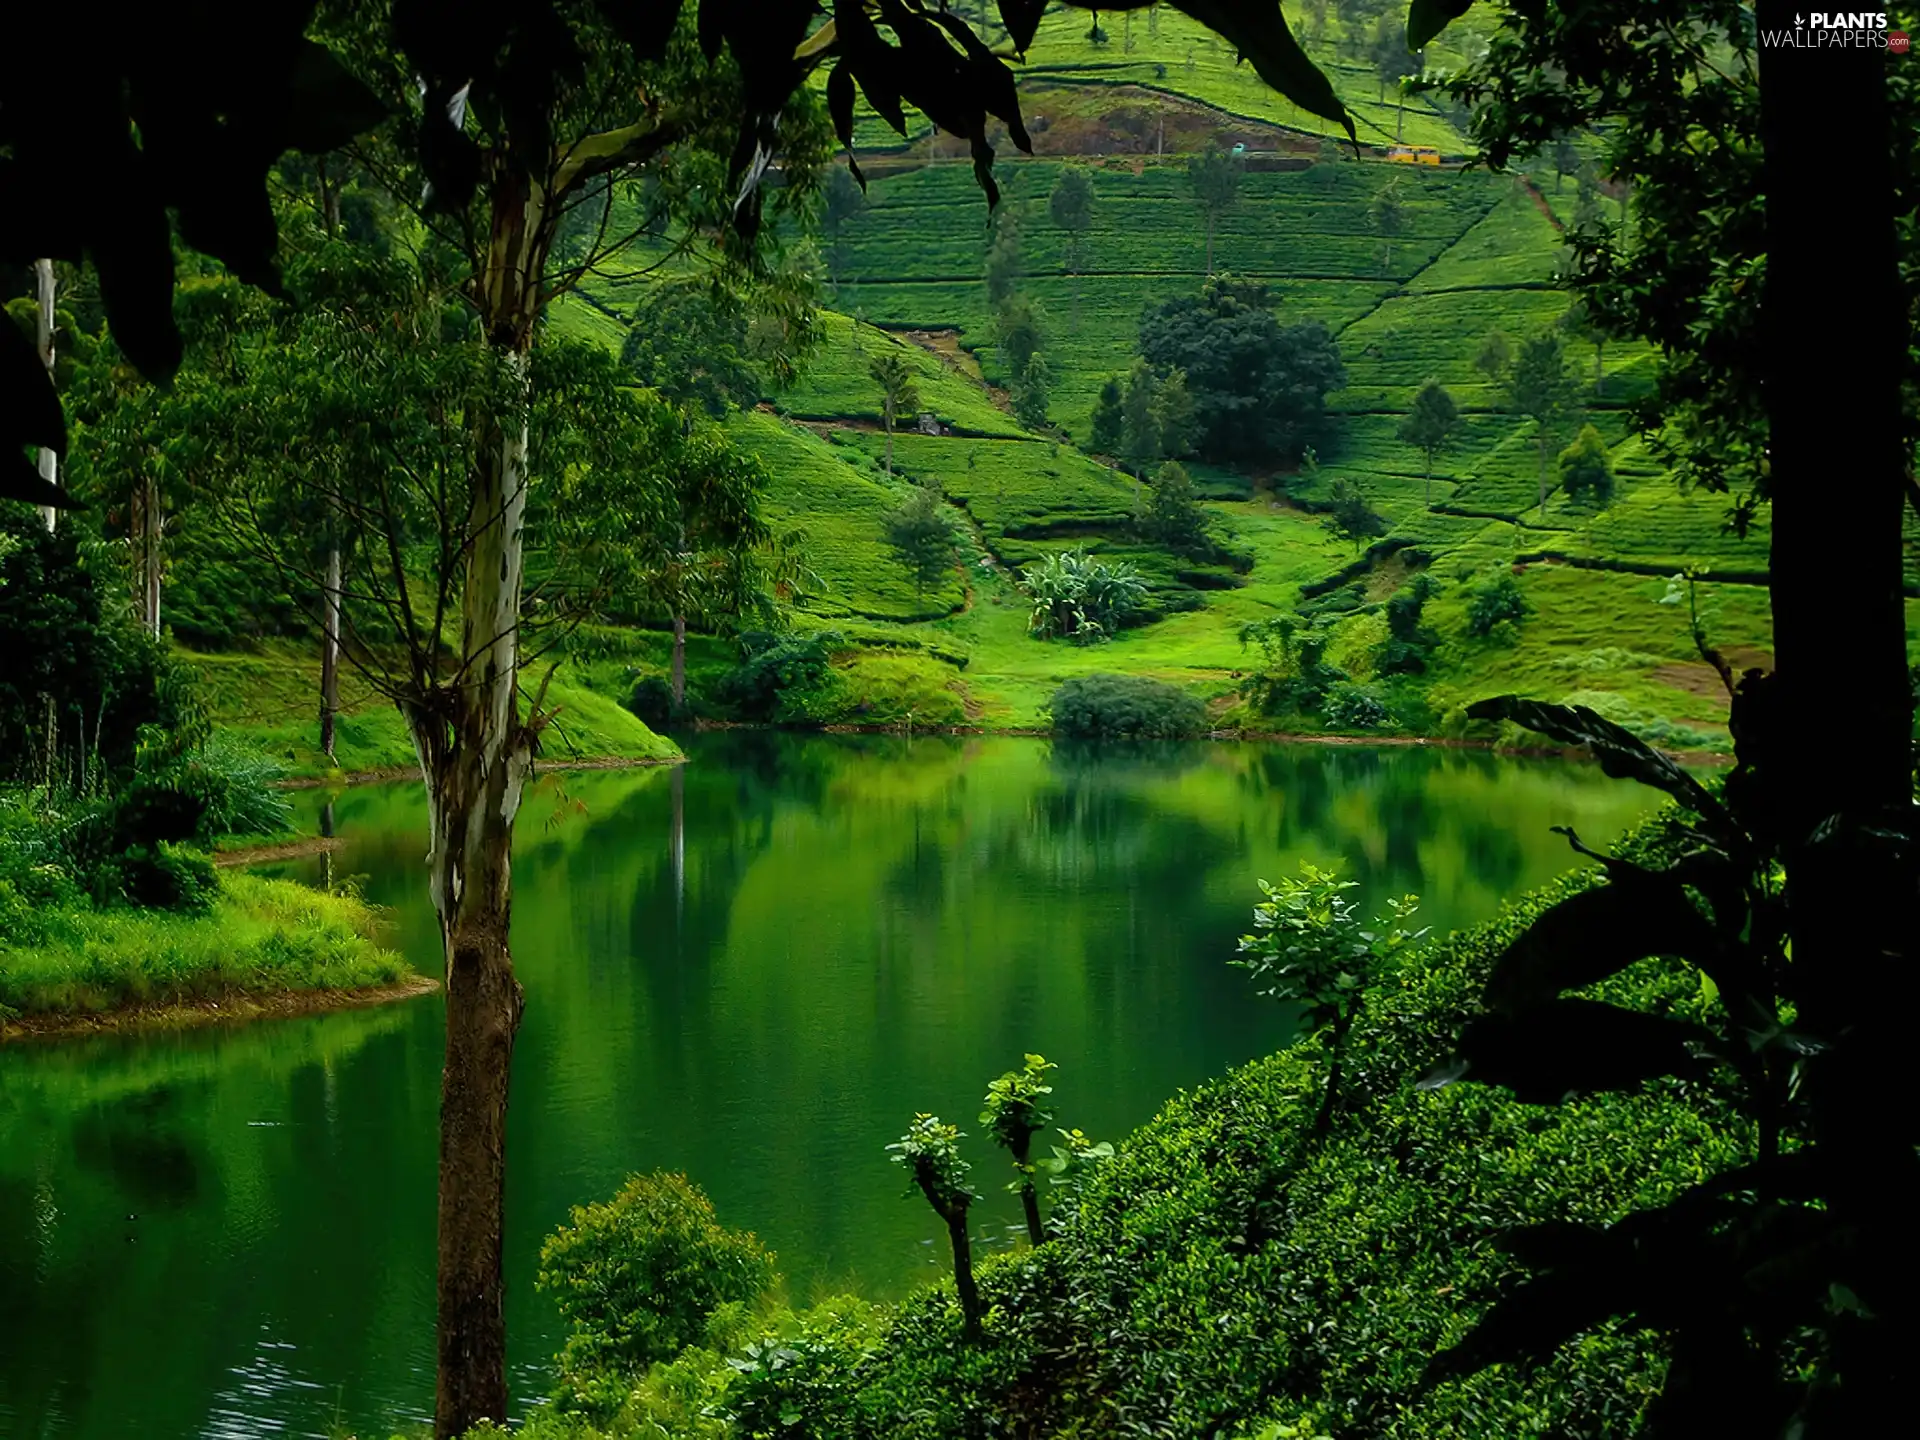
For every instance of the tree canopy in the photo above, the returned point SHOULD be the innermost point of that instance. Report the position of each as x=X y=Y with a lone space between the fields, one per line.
x=1258 y=387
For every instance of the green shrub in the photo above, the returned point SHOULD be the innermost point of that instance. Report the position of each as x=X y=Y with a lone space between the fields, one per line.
x=1350 y=706
x=652 y=700
x=1494 y=603
x=639 y=1277
x=881 y=688
x=66 y=636
x=779 y=675
x=160 y=876
x=1125 y=707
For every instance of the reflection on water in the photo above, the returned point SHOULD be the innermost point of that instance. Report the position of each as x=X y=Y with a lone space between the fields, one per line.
x=755 y=969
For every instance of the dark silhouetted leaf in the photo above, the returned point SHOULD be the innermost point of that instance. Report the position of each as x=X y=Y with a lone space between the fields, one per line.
x=29 y=408
x=326 y=105
x=1597 y=933
x=1568 y=1047
x=1427 y=18
x=20 y=481
x=1621 y=753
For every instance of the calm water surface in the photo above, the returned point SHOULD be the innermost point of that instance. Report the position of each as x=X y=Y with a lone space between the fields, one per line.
x=754 y=968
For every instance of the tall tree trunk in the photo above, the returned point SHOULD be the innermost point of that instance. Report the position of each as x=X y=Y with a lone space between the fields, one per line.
x=1429 y=480
x=44 y=296
x=476 y=754
x=680 y=656
x=330 y=647
x=1840 y=640
x=148 y=527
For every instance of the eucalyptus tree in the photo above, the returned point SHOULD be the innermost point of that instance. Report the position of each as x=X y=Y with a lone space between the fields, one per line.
x=504 y=117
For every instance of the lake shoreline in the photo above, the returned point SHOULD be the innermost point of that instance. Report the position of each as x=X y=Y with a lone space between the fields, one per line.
x=234 y=1008
x=386 y=773
x=1276 y=737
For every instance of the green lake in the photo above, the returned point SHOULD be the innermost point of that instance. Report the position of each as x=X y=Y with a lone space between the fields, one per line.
x=754 y=968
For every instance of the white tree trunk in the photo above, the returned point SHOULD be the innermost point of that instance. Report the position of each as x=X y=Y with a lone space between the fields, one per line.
x=330 y=648
x=43 y=344
x=476 y=755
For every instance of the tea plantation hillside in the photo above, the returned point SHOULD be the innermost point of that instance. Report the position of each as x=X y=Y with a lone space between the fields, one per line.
x=1410 y=267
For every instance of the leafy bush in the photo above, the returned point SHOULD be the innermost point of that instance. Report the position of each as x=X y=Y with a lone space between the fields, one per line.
x=652 y=700
x=1355 y=707
x=778 y=674
x=880 y=688
x=1311 y=948
x=1410 y=643
x=1494 y=603
x=1081 y=598
x=1125 y=707
x=66 y=636
x=236 y=786
x=639 y=1277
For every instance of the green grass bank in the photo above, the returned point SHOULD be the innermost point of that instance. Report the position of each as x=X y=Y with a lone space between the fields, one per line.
x=263 y=946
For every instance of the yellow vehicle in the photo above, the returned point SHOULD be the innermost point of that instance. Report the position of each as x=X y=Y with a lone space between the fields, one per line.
x=1414 y=154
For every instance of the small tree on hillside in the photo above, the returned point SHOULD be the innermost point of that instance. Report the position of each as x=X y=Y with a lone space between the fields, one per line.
x=1018 y=332
x=1393 y=64
x=1389 y=219
x=926 y=537
x=1215 y=178
x=1071 y=206
x=1030 y=394
x=1586 y=468
x=1140 y=441
x=1565 y=158
x=1108 y=419
x=1581 y=323
x=1540 y=387
x=898 y=394
x=844 y=200
x=1352 y=517
x=1016 y=1112
x=1311 y=948
x=1430 y=425
x=1169 y=514
x=930 y=1151
x=1494 y=356
x=1004 y=266
x=1586 y=199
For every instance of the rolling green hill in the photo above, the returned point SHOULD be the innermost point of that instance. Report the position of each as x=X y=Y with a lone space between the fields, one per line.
x=1473 y=252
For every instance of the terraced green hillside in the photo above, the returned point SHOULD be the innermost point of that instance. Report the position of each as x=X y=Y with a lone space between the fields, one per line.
x=1474 y=252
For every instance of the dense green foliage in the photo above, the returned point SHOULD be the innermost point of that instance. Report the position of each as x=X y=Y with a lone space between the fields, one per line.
x=1258 y=387
x=1311 y=947
x=80 y=680
x=639 y=1278
x=1079 y=598
x=925 y=535
x=1125 y=707
x=1154 y=1297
